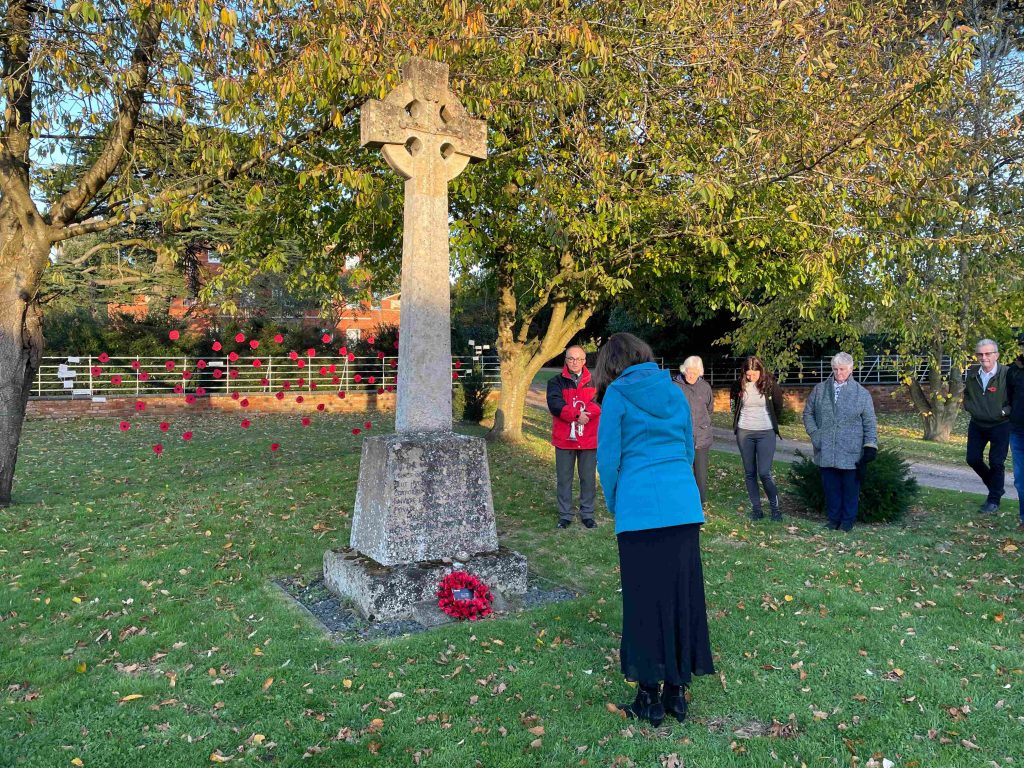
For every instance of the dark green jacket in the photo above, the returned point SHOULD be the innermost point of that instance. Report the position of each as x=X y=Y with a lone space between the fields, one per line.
x=988 y=407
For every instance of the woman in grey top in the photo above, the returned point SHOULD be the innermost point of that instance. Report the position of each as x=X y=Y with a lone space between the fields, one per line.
x=756 y=407
x=701 y=400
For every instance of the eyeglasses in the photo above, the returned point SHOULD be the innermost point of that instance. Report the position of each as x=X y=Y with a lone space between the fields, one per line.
x=985 y=354
x=576 y=359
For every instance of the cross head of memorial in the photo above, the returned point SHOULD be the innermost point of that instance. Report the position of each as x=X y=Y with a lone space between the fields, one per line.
x=424 y=133
x=428 y=138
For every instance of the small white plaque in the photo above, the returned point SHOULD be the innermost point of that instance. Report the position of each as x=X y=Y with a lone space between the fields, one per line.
x=99 y=399
x=74 y=360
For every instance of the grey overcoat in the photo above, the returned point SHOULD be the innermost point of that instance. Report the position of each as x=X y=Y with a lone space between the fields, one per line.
x=839 y=430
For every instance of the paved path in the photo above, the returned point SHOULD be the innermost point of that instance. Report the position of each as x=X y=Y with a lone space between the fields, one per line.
x=930 y=475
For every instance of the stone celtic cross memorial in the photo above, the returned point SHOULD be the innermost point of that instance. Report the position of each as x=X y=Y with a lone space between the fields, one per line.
x=423 y=504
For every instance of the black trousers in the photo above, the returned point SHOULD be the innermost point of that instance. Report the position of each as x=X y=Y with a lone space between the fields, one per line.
x=993 y=474
x=566 y=459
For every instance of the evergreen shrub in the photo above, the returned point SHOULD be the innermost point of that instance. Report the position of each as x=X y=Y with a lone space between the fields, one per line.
x=887 y=493
x=474 y=392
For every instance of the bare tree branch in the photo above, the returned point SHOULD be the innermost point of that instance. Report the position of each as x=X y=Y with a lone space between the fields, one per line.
x=122 y=136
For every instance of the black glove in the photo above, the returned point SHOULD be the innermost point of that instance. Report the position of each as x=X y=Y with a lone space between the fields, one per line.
x=869 y=455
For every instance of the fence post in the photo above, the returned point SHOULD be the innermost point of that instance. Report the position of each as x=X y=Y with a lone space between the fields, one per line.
x=309 y=372
x=90 y=377
x=39 y=380
x=137 y=375
x=270 y=373
x=227 y=375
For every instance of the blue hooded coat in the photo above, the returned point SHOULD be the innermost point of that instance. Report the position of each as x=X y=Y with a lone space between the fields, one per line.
x=645 y=452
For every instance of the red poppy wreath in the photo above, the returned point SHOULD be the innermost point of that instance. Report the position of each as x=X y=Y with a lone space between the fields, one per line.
x=462 y=596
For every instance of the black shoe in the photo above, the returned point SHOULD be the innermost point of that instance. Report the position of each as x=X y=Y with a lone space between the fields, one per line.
x=756 y=514
x=589 y=523
x=674 y=701
x=830 y=526
x=646 y=706
x=564 y=523
x=777 y=516
x=989 y=508
x=845 y=528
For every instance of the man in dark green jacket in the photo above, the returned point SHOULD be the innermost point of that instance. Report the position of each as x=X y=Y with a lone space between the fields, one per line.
x=985 y=398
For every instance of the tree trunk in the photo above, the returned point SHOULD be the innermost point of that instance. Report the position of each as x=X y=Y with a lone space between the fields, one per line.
x=940 y=406
x=21 y=349
x=940 y=422
x=516 y=376
x=521 y=354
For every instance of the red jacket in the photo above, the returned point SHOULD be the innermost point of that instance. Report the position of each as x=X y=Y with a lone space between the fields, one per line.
x=566 y=401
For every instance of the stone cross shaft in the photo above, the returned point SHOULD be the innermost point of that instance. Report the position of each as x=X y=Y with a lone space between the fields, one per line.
x=427 y=137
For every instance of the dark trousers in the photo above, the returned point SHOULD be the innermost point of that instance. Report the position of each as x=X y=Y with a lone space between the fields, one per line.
x=757 y=449
x=993 y=474
x=701 y=462
x=842 y=496
x=1017 y=448
x=586 y=462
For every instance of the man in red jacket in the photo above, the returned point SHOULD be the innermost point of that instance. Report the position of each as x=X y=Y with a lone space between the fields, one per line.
x=574 y=435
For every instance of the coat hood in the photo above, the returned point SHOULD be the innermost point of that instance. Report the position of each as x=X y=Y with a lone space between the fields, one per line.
x=638 y=382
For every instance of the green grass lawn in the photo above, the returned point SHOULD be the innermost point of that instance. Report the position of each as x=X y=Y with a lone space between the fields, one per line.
x=901 y=431
x=139 y=625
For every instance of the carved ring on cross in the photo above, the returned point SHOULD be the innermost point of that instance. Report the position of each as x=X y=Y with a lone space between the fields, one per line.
x=423 y=131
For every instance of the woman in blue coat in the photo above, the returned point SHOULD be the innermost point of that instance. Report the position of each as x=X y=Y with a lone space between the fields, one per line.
x=644 y=458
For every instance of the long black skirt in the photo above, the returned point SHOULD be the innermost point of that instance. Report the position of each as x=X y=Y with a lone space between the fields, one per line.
x=664 y=618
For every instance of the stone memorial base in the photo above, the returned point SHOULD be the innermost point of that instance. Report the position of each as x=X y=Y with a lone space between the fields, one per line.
x=383 y=592
x=423 y=509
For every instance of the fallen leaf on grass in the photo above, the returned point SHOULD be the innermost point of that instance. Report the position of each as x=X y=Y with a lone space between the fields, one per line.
x=968 y=744
x=536 y=743
x=671 y=761
x=217 y=757
x=77 y=761
x=615 y=710
x=396 y=695
x=129 y=697
x=537 y=730
x=267 y=683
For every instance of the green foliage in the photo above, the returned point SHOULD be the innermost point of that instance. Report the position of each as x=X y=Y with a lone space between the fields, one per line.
x=474 y=391
x=75 y=331
x=887 y=493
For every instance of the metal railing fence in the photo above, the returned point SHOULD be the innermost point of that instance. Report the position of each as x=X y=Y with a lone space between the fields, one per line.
x=877 y=369
x=102 y=376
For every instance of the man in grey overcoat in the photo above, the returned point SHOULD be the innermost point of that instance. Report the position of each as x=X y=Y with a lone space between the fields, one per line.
x=839 y=417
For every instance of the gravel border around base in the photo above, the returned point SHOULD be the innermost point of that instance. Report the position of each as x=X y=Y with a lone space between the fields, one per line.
x=343 y=624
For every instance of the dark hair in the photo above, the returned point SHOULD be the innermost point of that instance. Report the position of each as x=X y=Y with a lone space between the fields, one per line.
x=616 y=355
x=765 y=383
